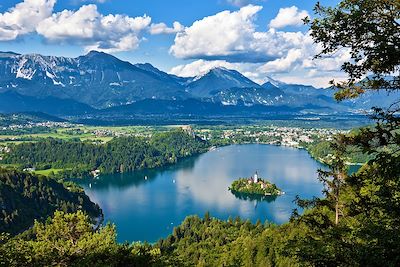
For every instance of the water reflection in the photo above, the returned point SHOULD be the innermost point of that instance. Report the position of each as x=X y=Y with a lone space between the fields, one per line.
x=253 y=197
x=137 y=178
x=147 y=209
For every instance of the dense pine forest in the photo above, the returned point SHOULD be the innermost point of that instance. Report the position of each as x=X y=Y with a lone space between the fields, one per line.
x=121 y=154
x=25 y=197
x=70 y=240
x=323 y=151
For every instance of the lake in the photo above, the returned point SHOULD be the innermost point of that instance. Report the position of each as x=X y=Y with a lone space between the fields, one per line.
x=147 y=205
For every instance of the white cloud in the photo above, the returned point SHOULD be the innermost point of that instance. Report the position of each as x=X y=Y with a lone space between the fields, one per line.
x=283 y=64
x=232 y=36
x=162 y=28
x=23 y=18
x=200 y=67
x=226 y=35
x=290 y=69
x=310 y=79
x=227 y=39
x=328 y=64
x=86 y=26
x=230 y=39
x=289 y=16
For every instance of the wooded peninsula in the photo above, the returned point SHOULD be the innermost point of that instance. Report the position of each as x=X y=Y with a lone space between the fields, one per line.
x=78 y=159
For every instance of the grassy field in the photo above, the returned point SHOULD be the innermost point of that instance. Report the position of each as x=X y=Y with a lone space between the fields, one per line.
x=47 y=172
x=84 y=133
x=6 y=166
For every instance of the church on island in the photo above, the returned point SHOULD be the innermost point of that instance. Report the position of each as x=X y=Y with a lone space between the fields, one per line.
x=257 y=180
x=255 y=186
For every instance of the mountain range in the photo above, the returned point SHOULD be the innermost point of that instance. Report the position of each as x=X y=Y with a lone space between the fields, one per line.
x=101 y=83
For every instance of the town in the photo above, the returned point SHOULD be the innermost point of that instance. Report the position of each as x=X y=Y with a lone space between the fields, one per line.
x=220 y=135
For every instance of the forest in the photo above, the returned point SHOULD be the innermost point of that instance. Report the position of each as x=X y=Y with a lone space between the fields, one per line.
x=122 y=154
x=322 y=151
x=25 y=197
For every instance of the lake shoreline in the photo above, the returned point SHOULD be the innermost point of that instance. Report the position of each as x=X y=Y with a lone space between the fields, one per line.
x=190 y=187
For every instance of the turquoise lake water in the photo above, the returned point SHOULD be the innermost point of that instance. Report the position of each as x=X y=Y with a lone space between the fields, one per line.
x=147 y=205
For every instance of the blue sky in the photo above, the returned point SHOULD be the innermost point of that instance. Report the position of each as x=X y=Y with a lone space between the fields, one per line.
x=260 y=38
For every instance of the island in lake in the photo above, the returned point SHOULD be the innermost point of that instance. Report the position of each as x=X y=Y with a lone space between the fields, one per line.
x=255 y=186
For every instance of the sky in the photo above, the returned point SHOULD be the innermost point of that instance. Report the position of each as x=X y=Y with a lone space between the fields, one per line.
x=259 y=38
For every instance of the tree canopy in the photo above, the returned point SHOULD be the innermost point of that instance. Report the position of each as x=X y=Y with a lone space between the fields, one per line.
x=121 y=154
x=70 y=240
x=25 y=197
x=370 y=31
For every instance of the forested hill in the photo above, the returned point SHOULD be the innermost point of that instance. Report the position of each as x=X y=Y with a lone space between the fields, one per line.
x=211 y=242
x=119 y=155
x=25 y=197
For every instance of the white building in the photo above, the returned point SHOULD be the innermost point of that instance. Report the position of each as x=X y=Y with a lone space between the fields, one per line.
x=255 y=178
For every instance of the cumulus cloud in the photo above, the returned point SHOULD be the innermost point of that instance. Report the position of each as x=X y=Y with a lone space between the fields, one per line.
x=328 y=64
x=23 y=18
x=230 y=40
x=292 y=68
x=86 y=26
x=289 y=16
x=162 y=28
x=299 y=64
x=308 y=78
x=200 y=67
x=284 y=64
x=232 y=36
x=253 y=71
x=226 y=35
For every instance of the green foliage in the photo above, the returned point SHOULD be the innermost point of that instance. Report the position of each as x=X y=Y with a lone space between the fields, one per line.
x=70 y=240
x=122 y=154
x=212 y=242
x=367 y=201
x=357 y=223
x=370 y=29
x=322 y=151
x=25 y=197
x=246 y=186
x=369 y=228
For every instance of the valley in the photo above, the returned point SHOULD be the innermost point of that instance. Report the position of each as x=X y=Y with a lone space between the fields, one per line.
x=216 y=135
x=212 y=133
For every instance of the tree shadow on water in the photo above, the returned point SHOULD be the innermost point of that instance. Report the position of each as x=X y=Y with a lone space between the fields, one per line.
x=252 y=197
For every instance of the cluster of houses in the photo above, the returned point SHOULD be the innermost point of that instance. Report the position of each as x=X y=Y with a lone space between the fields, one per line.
x=286 y=136
x=30 y=125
